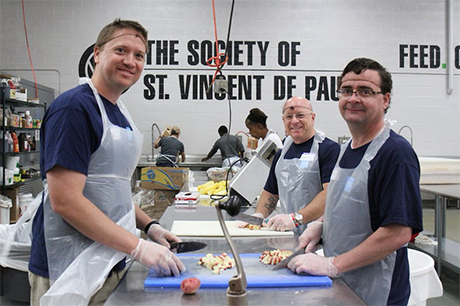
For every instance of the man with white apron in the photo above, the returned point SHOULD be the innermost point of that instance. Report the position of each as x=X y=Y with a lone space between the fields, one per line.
x=230 y=146
x=85 y=226
x=373 y=203
x=171 y=149
x=300 y=172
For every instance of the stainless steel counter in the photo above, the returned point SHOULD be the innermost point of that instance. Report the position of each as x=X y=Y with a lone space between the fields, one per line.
x=191 y=161
x=446 y=252
x=131 y=289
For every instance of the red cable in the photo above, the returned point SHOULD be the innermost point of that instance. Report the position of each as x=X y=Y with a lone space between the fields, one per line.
x=28 y=49
x=217 y=63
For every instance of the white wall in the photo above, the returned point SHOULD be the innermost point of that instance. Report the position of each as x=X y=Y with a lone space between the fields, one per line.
x=330 y=34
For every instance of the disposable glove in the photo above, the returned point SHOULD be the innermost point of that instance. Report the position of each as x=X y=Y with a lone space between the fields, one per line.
x=242 y=224
x=281 y=222
x=161 y=235
x=157 y=257
x=313 y=264
x=311 y=236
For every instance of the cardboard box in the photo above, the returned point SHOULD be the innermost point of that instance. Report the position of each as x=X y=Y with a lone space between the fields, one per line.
x=13 y=194
x=164 y=178
x=162 y=200
x=252 y=143
x=21 y=94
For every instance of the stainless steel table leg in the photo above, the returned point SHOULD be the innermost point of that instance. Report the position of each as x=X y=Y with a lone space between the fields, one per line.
x=439 y=229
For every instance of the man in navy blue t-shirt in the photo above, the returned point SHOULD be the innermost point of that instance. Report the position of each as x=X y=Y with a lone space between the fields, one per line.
x=86 y=223
x=300 y=172
x=373 y=205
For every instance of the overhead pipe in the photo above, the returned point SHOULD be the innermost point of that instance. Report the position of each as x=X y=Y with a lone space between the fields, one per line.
x=450 y=46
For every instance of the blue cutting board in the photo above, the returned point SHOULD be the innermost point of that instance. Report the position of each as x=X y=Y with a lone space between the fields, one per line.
x=258 y=275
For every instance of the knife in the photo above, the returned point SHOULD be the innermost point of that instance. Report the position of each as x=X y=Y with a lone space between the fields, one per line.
x=250 y=219
x=284 y=262
x=182 y=247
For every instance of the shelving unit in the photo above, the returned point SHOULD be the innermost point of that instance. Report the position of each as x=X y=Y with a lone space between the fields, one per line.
x=28 y=159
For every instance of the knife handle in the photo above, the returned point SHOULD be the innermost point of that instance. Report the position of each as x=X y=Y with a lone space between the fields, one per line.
x=173 y=245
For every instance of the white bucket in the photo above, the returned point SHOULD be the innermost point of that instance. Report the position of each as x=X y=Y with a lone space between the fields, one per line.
x=12 y=162
x=424 y=280
x=5 y=205
x=24 y=201
x=9 y=176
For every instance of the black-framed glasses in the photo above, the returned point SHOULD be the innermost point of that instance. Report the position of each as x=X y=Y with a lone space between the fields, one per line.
x=346 y=93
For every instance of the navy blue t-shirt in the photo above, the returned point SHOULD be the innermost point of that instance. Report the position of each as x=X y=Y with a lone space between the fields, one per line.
x=394 y=198
x=328 y=152
x=71 y=132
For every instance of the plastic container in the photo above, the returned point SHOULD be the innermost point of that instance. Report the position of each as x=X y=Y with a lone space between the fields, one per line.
x=5 y=205
x=9 y=176
x=12 y=89
x=23 y=143
x=12 y=162
x=4 y=143
x=15 y=142
x=24 y=201
x=10 y=142
x=16 y=175
x=28 y=120
x=5 y=88
x=424 y=280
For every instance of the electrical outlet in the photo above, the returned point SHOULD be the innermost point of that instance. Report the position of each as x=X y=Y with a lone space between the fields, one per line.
x=220 y=86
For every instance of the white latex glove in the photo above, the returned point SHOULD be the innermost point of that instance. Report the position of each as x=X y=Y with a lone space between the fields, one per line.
x=311 y=236
x=159 y=258
x=313 y=264
x=161 y=235
x=242 y=224
x=281 y=222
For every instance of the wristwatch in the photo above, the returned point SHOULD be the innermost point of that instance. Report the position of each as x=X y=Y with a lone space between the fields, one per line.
x=298 y=218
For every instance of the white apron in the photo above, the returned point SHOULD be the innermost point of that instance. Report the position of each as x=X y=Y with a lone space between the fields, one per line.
x=77 y=265
x=347 y=224
x=229 y=161
x=299 y=179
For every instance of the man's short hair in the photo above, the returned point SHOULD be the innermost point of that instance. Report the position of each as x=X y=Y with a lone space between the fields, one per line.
x=358 y=65
x=107 y=32
x=175 y=130
x=222 y=130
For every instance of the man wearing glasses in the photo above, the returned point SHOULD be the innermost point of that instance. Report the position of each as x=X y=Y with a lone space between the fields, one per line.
x=373 y=204
x=300 y=172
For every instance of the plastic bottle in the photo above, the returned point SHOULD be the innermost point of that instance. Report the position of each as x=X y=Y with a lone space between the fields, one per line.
x=10 y=142
x=24 y=201
x=23 y=143
x=3 y=143
x=29 y=120
x=31 y=143
x=15 y=142
x=4 y=87
x=12 y=89
x=22 y=122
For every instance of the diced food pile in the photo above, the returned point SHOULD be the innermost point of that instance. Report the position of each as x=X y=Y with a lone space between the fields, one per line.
x=274 y=257
x=216 y=263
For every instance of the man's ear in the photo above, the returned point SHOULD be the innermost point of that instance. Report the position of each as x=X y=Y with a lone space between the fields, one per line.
x=97 y=51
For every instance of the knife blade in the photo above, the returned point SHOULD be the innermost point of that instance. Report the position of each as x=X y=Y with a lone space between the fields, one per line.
x=250 y=219
x=284 y=262
x=182 y=247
